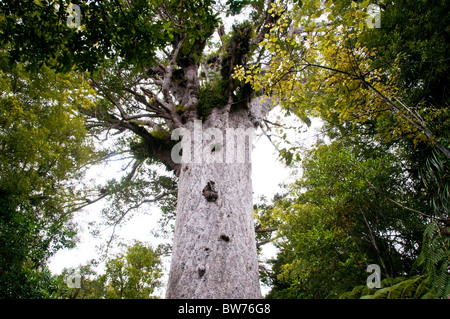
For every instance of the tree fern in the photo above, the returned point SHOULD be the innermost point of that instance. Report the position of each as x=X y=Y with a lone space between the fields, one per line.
x=434 y=261
x=393 y=288
x=435 y=258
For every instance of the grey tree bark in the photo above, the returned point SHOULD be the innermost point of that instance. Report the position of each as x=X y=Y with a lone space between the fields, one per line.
x=214 y=254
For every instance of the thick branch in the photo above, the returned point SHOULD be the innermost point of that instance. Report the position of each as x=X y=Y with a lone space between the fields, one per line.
x=190 y=99
x=266 y=230
x=263 y=242
x=159 y=148
x=166 y=85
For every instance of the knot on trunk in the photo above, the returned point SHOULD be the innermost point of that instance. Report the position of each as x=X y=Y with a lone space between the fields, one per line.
x=210 y=192
x=201 y=271
x=225 y=238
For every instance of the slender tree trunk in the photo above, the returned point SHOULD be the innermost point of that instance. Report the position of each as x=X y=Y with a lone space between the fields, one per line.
x=214 y=253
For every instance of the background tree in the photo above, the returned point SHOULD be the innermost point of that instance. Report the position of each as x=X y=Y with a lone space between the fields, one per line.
x=374 y=65
x=134 y=274
x=388 y=84
x=44 y=147
x=335 y=219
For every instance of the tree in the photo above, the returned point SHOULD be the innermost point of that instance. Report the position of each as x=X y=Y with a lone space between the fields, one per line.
x=134 y=274
x=160 y=78
x=335 y=219
x=44 y=146
x=317 y=259
x=328 y=61
x=391 y=79
x=151 y=66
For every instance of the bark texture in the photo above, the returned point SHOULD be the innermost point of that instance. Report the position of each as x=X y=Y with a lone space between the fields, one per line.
x=214 y=252
x=214 y=248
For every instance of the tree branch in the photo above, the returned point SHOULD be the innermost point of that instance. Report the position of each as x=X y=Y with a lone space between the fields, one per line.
x=397 y=203
x=145 y=201
x=263 y=242
x=419 y=124
x=260 y=230
x=166 y=85
x=159 y=148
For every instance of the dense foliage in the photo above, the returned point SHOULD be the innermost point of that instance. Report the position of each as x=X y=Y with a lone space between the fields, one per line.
x=134 y=274
x=382 y=179
x=44 y=147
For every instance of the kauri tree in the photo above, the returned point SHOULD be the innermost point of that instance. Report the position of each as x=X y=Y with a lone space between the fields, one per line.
x=158 y=79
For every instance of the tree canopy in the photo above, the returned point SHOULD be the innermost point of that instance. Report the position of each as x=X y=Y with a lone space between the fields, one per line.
x=382 y=94
x=134 y=274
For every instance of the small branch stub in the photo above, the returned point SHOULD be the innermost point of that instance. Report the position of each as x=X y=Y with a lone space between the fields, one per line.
x=210 y=192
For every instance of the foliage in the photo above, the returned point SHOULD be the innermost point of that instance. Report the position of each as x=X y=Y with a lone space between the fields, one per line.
x=141 y=56
x=44 y=145
x=44 y=31
x=416 y=287
x=435 y=258
x=134 y=274
x=337 y=66
x=210 y=95
x=365 y=197
x=335 y=220
x=318 y=259
x=132 y=30
x=389 y=79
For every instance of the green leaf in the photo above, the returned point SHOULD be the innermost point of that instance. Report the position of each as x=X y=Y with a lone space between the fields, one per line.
x=364 y=4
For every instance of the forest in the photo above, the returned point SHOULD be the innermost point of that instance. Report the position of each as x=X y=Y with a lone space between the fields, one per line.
x=148 y=83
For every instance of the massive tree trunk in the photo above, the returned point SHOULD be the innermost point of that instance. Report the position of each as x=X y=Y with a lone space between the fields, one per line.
x=193 y=94
x=214 y=253
x=158 y=75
